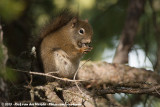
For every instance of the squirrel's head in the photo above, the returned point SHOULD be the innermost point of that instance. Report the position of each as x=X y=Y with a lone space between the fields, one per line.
x=82 y=32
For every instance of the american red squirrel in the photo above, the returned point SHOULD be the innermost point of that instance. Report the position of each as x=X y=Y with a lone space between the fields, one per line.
x=63 y=43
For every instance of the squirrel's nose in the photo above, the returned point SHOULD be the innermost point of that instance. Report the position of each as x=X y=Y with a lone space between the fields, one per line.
x=86 y=41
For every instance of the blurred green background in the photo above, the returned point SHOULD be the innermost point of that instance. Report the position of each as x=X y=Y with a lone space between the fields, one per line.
x=22 y=20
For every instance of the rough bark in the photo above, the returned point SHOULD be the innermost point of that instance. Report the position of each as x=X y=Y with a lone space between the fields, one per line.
x=135 y=10
x=70 y=96
x=117 y=78
x=106 y=73
x=96 y=80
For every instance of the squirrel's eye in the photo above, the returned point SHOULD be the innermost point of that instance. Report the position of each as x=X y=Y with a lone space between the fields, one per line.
x=81 y=31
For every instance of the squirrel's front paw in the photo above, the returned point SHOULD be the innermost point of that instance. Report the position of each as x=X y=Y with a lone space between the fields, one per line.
x=85 y=49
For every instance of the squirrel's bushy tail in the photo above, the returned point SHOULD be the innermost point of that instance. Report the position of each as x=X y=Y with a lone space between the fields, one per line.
x=56 y=23
x=59 y=21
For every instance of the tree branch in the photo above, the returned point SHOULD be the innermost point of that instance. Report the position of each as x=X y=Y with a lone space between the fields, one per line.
x=157 y=36
x=106 y=73
x=117 y=78
x=135 y=10
x=151 y=91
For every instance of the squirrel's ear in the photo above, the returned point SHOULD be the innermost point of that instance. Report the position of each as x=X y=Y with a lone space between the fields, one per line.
x=73 y=22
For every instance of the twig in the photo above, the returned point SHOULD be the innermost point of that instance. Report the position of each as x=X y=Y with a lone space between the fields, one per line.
x=44 y=74
x=157 y=91
x=79 y=69
x=32 y=94
x=76 y=75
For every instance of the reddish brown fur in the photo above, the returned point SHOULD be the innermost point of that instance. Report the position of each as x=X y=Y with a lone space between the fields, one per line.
x=59 y=43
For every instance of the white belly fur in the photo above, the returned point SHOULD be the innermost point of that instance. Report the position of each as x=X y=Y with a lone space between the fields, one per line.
x=63 y=65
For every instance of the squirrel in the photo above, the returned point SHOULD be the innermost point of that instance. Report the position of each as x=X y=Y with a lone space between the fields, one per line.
x=62 y=44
